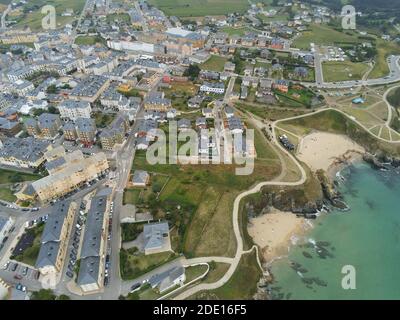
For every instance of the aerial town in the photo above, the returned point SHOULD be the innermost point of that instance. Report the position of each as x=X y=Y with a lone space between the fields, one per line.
x=85 y=215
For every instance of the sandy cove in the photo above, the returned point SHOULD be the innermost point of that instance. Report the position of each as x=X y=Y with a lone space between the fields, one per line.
x=273 y=231
x=328 y=151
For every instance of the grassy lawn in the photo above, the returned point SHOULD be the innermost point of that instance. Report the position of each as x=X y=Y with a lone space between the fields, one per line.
x=7 y=195
x=89 y=40
x=215 y=63
x=323 y=35
x=32 y=17
x=342 y=71
x=384 y=49
x=131 y=196
x=102 y=120
x=241 y=31
x=217 y=271
x=180 y=93
x=190 y=8
x=269 y=113
x=134 y=264
x=194 y=272
x=241 y=286
x=118 y=17
x=9 y=176
x=130 y=231
x=30 y=254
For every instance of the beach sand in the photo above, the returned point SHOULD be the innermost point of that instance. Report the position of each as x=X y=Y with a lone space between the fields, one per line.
x=323 y=150
x=272 y=232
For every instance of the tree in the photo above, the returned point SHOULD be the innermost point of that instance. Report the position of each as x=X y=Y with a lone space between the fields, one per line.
x=192 y=71
x=43 y=294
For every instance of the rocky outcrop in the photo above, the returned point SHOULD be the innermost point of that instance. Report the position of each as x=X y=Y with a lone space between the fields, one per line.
x=378 y=162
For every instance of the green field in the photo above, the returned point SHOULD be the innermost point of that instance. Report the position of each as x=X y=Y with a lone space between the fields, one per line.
x=323 y=35
x=89 y=40
x=236 y=31
x=241 y=286
x=384 y=48
x=215 y=63
x=342 y=71
x=9 y=176
x=199 y=8
x=133 y=265
x=32 y=16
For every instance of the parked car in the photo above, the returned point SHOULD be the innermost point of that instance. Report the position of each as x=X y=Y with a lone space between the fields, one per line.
x=6 y=265
x=14 y=267
x=135 y=287
x=18 y=277
x=20 y=287
x=25 y=271
x=69 y=274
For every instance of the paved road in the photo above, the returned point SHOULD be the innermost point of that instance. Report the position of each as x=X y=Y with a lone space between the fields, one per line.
x=4 y=15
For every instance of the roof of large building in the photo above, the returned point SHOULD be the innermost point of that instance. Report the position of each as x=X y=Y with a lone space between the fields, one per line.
x=94 y=227
x=52 y=230
x=25 y=149
x=48 y=254
x=89 y=270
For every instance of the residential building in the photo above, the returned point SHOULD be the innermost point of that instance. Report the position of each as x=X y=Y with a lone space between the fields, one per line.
x=156 y=238
x=213 y=87
x=157 y=102
x=55 y=236
x=140 y=178
x=24 y=152
x=168 y=279
x=115 y=133
x=76 y=171
x=72 y=110
x=91 y=271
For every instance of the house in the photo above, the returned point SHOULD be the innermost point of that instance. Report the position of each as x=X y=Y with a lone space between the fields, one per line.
x=265 y=83
x=140 y=178
x=168 y=279
x=229 y=67
x=213 y=87
x=143 y=143
x=195 y=102
x=281 y=85
x=184 y=124
x=157 y=102
x=156 y=238
x=201 y=123
x=229 y=112
x=209 y=75
x=171 y=113
x=207 y=112
x=235 y=125
x=301 y=72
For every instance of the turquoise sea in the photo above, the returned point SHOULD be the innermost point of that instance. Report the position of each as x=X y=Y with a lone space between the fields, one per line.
x=366 y=237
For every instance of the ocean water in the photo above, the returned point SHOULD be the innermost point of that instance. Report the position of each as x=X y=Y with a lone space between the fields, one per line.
x=366 y=237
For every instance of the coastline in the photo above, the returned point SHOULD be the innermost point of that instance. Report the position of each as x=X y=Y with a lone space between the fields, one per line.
x=275 y=232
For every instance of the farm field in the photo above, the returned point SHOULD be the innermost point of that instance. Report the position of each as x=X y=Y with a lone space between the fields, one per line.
x=31 y=15
x=198 y=8
x=322 y=35
x=342 y=71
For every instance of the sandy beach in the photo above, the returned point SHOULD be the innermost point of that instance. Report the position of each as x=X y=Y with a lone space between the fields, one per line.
x=323 y=150
x=272 y=232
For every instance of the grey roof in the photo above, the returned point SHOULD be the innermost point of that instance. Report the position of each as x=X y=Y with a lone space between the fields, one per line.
x=25 y=149
x=47 y=120
x=52 y=230
x=85 y=125
x=165 y=279
x=55 y=163
x=140 y=176
x=48 y=254
x=94 y=227
x=89 y=270
x=153 y=234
